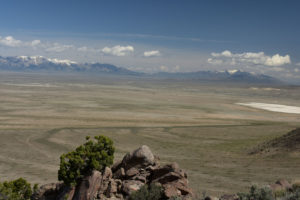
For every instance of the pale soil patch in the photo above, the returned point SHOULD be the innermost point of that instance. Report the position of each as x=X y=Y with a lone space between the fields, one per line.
x=266 y=89
x=273 y=107
x=32 y=85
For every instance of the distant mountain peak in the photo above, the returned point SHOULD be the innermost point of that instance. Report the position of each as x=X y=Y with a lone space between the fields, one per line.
x=40 y=63
x=40 y=59
x=67 y=62
x=223 y=76
x=233 y=71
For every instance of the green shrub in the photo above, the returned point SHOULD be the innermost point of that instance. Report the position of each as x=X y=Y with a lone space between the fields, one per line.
x=280 y=193
x=256 y=193
x=296 y=186
x=266 y=194
x=35 y=188
x=93 y=155
x=295 y=195
x=18 y=189
x=152 y=192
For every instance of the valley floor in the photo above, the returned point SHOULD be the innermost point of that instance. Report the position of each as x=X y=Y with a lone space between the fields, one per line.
x=199 y=125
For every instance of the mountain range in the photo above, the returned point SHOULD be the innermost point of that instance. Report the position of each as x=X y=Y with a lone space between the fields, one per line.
x=42 y=64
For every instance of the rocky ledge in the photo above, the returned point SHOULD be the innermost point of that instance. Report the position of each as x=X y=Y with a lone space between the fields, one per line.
x=136 y=169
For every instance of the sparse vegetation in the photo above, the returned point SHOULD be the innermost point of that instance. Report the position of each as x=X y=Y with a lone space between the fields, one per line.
x=288 y=142
x=256 y=193
x=212 y=137
x=152 y=192
x=97 y=154
x=93 y=155
x=296 y=186
x=266 y=193
x=18 y=189
x=291 y=195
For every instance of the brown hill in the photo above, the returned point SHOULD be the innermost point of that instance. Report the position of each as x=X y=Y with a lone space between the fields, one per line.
x=287 y=142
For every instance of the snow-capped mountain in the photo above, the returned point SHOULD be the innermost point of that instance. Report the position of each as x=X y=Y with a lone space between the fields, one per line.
x=27 y=61
x=30 y=60
x=227 y=76
x=39 y=63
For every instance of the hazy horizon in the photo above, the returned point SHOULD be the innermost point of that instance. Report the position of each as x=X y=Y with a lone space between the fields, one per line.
x=170 y=36
x=231 y=125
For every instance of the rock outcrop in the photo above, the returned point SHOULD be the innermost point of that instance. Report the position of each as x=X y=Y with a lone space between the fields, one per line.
x=136 y=169
x=48 y=191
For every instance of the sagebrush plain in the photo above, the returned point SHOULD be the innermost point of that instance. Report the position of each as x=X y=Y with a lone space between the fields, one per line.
x=197 y=124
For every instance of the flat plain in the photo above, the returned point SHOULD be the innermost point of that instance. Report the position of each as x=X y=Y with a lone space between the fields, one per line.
x=197 y=124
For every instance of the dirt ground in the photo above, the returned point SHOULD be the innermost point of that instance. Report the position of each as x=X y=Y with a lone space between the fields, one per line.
x=199 y=125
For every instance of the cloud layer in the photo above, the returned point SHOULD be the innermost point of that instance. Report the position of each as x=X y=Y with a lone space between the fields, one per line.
x=53 y=48
x=248 y=58
x=151 y=53
x=118 y=50
x=56 y=47
x=141 y=58
x=10 y=41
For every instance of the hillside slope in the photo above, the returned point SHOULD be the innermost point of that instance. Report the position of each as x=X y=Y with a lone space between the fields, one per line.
x=288 y=142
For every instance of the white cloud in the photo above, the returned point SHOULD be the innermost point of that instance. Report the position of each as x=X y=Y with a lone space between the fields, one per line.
x=298 y=64
x=88 y=49
x=278 y=60
x=67 y=62
x=177 y=68
x=118 y=50
x=252 y=58
x=163 y=68
x=83 y=49
x=56 y=47
x=296 y=70
x=214 y=61
x=151 y=53
x=35 y=43
x=225 y=53
x=277 y=69
x=10 y=41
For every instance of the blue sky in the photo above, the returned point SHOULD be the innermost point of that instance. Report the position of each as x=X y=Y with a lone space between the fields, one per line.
x=252 y=35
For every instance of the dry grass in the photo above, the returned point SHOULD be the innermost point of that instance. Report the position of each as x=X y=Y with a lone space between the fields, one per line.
x=195 y=124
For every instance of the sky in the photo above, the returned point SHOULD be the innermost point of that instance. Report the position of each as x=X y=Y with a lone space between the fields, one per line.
x=260 y=36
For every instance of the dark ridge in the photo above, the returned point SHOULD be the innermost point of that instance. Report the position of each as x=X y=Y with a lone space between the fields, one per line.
x=288 y=142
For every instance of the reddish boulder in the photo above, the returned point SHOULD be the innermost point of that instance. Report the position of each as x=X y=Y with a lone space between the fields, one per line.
x=117 y=165
x=89 y=187
x=130 y=186
x=285 y=184
x=67 y=194
x=137 y=168
x=141 y=157
x=119 y=174
x=131 y=172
